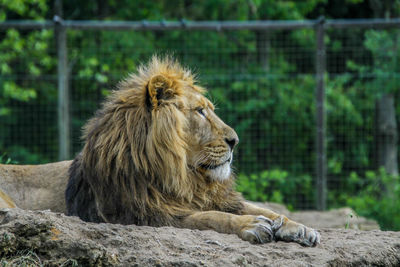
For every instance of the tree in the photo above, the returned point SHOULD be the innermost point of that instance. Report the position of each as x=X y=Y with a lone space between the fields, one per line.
x=24 y=57
x=386 y=61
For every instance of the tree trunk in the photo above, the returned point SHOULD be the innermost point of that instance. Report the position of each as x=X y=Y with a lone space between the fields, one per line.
x=386 y=139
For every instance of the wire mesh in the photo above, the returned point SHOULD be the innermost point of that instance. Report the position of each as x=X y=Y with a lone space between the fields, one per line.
x=262 y=82
x=362 y=70
x=28 y=86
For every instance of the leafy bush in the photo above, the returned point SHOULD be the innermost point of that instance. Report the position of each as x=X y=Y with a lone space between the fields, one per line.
x=4 y=159
x=276 y=186
x=376 y=196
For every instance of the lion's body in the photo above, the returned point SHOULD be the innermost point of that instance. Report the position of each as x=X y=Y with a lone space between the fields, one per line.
x=35 y=187
x=136 y=164
x=156 y=154
x=152 y=208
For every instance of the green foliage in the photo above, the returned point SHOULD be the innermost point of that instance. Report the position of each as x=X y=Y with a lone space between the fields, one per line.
x=4 y=159
x=282 y=104
x=33 y=9
x=347 y=107
x=263 y=86
x=383 y=75
x=350 y=100
x=276 y=186
x=375 y=195
x=25 y=65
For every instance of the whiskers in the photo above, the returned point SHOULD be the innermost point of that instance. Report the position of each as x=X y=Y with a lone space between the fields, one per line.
x=200 y=158
x=209 y=161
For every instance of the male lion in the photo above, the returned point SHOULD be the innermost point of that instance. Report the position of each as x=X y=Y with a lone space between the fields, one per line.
x=156 y=154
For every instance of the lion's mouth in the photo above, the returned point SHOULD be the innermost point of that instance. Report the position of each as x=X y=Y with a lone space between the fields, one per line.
x=214 y=166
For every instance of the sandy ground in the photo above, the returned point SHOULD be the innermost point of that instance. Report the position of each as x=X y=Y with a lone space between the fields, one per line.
x=56 y=239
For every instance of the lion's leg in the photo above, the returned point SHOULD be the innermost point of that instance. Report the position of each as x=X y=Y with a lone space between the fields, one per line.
x=283 y=228
x=255 y=229
x=6 y=201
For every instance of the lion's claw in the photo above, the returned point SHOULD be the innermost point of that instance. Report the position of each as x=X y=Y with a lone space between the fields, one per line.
x=295 y=232
x=277 y=223
x=260 y=231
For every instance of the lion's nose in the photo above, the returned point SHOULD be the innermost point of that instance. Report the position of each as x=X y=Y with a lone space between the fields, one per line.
x=232 y=142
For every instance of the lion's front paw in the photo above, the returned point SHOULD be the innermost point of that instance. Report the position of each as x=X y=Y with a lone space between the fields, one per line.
x=257 y=230
x=295 y=232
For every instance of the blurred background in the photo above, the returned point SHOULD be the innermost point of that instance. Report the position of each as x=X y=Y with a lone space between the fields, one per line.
x=264 y=82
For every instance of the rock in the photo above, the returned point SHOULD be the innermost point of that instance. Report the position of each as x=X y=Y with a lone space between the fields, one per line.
x=56 y=239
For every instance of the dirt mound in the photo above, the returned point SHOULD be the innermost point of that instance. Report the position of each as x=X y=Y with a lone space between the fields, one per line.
x=56 y=239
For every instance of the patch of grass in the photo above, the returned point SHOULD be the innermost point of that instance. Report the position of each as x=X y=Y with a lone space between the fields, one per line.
x=349 y=217
x=69 y=263
x=25 y=258
x=28 y=258
x=4 y=159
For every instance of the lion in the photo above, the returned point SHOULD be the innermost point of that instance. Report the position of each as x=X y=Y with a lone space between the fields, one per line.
x=156 y=154
x=34 y=187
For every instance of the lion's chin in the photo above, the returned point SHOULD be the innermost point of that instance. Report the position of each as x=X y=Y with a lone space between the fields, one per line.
x=221 y=173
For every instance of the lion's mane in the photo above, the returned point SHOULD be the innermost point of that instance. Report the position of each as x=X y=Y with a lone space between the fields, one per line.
x=133 y=166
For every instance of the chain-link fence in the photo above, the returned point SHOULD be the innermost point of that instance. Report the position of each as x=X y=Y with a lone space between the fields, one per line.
x=308 y=113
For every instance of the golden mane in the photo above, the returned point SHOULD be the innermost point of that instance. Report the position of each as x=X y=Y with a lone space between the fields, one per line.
x=140 y=134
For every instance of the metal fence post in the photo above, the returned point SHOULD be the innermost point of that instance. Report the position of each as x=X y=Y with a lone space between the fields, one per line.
x=321 y=184
x=63 y=89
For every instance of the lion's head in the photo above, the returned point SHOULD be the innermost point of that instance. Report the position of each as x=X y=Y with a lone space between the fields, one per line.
x=156 y=137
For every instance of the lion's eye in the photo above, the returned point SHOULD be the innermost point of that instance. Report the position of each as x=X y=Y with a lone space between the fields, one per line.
x=201 y=111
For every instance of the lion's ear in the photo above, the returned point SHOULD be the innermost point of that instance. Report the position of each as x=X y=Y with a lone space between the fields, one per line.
x=160 y=88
